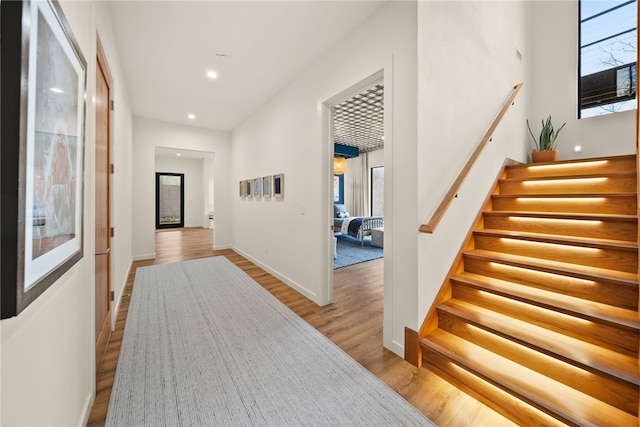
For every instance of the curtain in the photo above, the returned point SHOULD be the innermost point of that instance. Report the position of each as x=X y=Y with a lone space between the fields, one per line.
x=358 y=169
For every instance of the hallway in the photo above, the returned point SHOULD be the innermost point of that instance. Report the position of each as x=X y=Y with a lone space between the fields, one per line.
x=353 y=322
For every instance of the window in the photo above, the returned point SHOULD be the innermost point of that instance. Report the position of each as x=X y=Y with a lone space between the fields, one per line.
x=338 y=188
x=377 y=191
x=608 y=46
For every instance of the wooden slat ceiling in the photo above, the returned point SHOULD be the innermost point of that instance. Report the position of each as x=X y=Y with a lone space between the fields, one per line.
x=359 y=121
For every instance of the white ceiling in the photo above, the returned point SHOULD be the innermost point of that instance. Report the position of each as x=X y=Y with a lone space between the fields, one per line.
x=173 y=153
x=167 y=47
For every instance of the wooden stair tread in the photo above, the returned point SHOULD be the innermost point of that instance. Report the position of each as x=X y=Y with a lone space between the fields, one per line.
x=556 y=267
x=572 y=350
x=579 y=307
x=532 y=386
x=560 y=239
x=560 y=215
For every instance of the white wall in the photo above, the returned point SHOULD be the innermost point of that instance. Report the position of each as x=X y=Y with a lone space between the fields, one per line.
x=48 y=351
x=555 y=79
x=149 y=134
x=290 y=237
x=195 y=196
x=466 y=68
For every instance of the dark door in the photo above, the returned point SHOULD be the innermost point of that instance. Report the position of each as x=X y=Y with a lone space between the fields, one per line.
x=169 y=200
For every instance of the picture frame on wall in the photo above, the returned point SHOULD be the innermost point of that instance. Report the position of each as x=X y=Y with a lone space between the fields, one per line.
x=278 y=186
x=266 y=186
x=257 y=187
x=42 y=158
x=248 y=186
x=241 y=191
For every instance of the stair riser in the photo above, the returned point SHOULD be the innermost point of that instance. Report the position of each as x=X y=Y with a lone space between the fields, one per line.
x=611 y=184
x=609 y=258
x=616 y=338
x=606 y=292
x=603 y=166
x=618 y=205
x=620 y=394
x=605 y=229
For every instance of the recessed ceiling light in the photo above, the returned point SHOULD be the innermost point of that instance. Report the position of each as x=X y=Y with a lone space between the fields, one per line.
x=56 y=90
x=191 y=116
x=212 y=74
x=178 y=154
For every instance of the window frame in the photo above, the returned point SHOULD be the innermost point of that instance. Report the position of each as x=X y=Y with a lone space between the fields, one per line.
x=607 y=73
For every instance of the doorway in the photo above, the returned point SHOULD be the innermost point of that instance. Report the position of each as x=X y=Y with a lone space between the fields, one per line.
x=169 y=200
x=102 y=208
x=353 y=118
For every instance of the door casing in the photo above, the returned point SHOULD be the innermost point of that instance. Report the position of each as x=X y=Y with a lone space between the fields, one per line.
x=102 y=206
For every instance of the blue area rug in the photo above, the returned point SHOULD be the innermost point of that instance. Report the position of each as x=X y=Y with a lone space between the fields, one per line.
x=350 y=251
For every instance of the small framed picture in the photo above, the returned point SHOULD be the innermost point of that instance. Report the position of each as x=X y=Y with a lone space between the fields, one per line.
x=241 y=193
x=257 y=187
x=248 y=184
x=278 y=185
x=266 y=186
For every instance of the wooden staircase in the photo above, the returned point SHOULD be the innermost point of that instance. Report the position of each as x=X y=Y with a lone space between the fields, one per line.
x=539 y=317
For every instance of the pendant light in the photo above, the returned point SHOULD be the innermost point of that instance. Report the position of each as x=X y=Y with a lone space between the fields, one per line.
x=339 y=165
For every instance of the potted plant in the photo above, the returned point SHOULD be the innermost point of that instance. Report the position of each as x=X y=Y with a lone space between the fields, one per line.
x=545 y=150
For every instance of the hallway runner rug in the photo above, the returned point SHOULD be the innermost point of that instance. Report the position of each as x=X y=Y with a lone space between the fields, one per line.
x=205 y=345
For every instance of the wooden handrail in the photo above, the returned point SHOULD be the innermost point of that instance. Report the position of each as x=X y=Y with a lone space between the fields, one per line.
x=431 y=225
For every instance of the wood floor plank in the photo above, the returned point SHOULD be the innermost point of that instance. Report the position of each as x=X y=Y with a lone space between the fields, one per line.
x=357 y=307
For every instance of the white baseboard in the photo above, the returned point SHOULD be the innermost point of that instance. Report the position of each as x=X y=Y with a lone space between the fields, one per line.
x=397 y=348
x=306 y=292
x=221 y=247
x=144 y=257
x=84 y=416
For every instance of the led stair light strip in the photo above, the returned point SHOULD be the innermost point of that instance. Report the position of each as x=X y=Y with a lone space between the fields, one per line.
x=585 y=165
x=544 y=274
x=561 y=181
x=547 y=245
x=592 y=222
x=562 y=199
x=519 y=305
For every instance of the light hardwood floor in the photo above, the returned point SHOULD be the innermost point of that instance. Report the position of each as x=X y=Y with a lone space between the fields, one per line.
x=353 y=322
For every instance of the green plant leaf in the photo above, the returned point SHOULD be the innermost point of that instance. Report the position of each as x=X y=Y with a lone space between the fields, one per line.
x=548 y=135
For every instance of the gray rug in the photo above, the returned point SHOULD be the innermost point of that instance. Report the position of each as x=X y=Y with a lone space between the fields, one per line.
x=350 y=251
x=205 y=345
